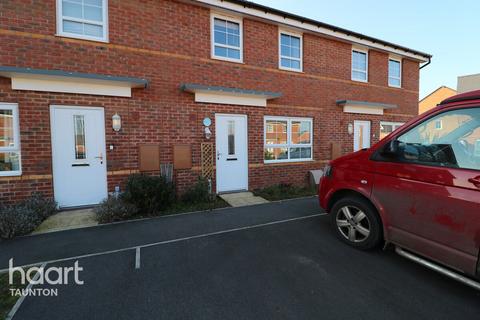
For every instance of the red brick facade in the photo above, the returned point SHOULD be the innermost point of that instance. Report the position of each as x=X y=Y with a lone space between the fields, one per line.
x=168 y=43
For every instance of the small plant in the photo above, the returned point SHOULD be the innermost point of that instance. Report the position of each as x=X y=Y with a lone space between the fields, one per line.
x=25 y=216
x=150 y=194
x=284 y=191
x=42 y=207
x=198 y=193
x=115 y=209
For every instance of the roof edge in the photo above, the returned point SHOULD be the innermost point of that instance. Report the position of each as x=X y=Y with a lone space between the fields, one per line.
x=319 y=24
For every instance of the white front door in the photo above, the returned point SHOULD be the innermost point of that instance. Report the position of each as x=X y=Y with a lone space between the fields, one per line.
x=232 y=152
x=361 y=138
x=78 y=155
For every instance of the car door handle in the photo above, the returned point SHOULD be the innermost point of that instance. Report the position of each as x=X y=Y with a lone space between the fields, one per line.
x=475 y=181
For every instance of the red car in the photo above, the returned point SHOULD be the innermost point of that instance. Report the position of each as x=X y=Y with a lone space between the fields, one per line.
x=418 y=189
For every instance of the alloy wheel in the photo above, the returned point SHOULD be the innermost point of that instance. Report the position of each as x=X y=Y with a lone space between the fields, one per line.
x=353 y=224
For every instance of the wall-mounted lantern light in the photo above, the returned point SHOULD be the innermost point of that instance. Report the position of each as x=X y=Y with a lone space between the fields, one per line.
x=350 y=129
x=207 y=122
x=116 y=122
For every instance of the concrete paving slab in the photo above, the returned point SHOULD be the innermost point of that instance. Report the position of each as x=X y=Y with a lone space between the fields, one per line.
x=240 y=199
x=69 y=219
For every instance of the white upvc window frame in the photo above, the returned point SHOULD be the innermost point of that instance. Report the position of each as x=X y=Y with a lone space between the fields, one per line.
x=104 y=24
x=395 y=125
x=16 y=139
x=234 y=19
x=289 y=143
x=292 y=34
x=399 y=60
x=360 y=50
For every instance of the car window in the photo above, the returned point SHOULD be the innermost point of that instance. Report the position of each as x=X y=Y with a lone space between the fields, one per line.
x=450 y=139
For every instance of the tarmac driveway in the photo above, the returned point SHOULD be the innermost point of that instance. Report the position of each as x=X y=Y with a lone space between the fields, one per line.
x=273 y=261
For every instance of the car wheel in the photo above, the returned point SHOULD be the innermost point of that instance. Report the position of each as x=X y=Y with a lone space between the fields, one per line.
x=357 y=223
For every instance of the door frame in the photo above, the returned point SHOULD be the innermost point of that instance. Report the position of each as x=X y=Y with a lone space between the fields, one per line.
x=52 y=134
x=369 y=134
x=216 y=146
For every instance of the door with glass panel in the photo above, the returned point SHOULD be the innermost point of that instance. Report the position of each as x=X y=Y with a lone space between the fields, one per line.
x=78 y=155
x=361 y=132
x=231 y=152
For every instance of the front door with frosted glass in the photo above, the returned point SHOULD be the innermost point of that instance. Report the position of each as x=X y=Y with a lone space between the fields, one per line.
x=78 y=155
x=232 y=152
x=361 y=132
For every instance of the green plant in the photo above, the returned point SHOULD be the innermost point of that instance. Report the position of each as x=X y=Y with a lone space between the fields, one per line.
x=150 y=194
x=114 y=209
x=284 y=191
x=25 y=216
x=42 y=207
x=198 y=193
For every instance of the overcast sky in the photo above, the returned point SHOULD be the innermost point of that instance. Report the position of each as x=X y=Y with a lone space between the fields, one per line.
x=449 y=30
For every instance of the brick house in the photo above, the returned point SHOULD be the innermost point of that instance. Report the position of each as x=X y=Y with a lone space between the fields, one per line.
x=92 y=91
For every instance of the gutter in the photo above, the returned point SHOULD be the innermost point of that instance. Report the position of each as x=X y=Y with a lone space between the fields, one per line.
x=426 y=64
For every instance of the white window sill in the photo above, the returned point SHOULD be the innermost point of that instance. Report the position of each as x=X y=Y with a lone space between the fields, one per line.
x=397 y=87
x=81 y=37
x=359 y=80
x=227 y=59
x=290 y=69
x=286 y=161
x=10 y=173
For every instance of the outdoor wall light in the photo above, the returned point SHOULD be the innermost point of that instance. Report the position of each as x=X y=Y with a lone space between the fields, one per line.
x=350 y=129
x=116 y=122
x=207 y=122
x=208 y=133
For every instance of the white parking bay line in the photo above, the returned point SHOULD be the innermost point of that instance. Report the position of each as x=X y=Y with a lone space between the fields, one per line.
x=137 y=258
x=22 y=297
x=153 y=244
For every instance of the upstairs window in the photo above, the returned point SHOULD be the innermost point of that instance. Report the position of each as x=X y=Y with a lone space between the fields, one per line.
x=290 y=51
x=359 y=65
x=394 y=73
x=84 y=19
x=227 y=38
x=10 y=162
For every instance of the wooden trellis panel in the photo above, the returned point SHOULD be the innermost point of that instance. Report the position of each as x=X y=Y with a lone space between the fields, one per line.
x=207 y=160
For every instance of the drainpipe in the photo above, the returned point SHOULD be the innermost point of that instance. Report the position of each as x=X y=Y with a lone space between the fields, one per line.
x=426 y=64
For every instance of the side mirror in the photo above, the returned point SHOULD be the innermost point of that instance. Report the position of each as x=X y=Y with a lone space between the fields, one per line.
x=391 y=149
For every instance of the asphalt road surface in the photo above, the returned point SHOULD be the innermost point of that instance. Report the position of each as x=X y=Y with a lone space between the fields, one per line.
x=274 y=261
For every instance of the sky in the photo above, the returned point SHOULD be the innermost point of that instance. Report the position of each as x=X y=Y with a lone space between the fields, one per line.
x=448 y=30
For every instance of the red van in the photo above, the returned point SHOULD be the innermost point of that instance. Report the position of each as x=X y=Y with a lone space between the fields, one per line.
x=418 y=189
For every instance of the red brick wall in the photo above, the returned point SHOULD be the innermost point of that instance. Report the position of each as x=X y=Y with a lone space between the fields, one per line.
x=168 y=43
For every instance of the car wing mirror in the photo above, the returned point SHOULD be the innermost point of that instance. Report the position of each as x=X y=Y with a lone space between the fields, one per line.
x=391 y=149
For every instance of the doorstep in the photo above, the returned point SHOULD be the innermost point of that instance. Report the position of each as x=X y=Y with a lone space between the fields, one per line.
x=241 y=199
x=69 y=219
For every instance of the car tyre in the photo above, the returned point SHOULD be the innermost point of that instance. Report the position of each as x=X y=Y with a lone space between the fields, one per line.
x=356 y=222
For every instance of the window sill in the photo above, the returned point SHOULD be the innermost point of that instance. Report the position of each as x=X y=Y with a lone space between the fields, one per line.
x=290 y=161
x=10 y=174
x=395 y=87
x=358 y=80
x=291 y=70
x=80 y=37
x=227 y=59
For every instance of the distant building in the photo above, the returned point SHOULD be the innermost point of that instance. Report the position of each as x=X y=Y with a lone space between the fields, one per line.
x=434 y=98
x=468 y=83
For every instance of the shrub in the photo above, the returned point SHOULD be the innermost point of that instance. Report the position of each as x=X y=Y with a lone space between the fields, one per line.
x=42 y=207
x=198 y=193
x=25 y=216
x=114 y=209
x=150 y=194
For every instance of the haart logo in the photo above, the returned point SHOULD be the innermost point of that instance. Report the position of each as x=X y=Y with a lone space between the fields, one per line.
x=43 y=276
